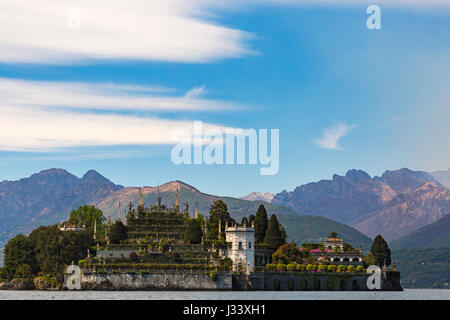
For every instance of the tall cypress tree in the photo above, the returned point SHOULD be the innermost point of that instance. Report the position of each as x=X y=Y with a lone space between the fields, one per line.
x=193 y=232
x=260 y=224
x=118 y=233
x=218 y=211
x=381 y=251
x=274 y=236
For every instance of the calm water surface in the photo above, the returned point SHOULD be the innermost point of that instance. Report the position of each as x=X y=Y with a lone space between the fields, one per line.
x=408 y=294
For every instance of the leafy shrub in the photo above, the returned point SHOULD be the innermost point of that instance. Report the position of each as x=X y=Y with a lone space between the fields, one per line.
x=300 y=267
x=281 y=267
x=23 y=271
x=359 y=269
x=270 y=267
x=290 y=267
x=82 y=263
x=133 y=256
x=332 y=268
x=310 y=267
x=351 y=268
x=341 y=268
x=213 y=274
x=322 y=268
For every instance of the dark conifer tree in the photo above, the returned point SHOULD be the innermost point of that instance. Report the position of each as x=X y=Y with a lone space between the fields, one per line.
x=381 y=251
x=260 y=224
x=118 y=232
x=193 y=232
x=274 y=236
x=218 y=211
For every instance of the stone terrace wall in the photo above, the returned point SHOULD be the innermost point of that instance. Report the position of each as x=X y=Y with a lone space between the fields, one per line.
x=156 y=281
x=324 y=282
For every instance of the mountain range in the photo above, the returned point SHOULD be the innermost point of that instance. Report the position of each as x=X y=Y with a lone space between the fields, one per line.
x=393 y=205
x=49 y=196
x=355 y=205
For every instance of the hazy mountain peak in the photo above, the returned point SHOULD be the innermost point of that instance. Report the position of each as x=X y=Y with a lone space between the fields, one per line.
x=357 y=175
x=259 y=196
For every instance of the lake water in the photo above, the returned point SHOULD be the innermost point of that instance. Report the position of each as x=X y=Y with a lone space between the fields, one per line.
x=408 y=294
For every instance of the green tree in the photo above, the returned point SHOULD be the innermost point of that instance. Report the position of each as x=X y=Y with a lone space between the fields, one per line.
x=274 y=237
x=333 y=235
x=218 y=211
x=86 y=215
x=348 y=247
x=260 y=224
x=54 y=249
x=23 y=271
x=251 y=220
x=19 y=251
x=381 y=251
x=244 y=221
x=118 y=232
x=193 y=232
x=287 y=253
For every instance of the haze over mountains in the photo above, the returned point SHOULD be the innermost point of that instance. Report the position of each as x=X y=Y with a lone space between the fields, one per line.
x=393 y=205
x=48 y=197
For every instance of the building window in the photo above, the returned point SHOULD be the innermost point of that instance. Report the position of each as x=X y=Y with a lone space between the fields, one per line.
x=240 y=245
x=250 y=245
x=230 y=244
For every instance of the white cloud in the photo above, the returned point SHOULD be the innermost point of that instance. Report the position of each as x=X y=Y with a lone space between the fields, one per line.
x=195 y=92
x=169 y=30
x=398 y=3
x=46 y=116
x=102 y=96
x=331 y=136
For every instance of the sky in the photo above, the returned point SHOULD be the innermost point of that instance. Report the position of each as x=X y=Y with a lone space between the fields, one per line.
x=102 y=85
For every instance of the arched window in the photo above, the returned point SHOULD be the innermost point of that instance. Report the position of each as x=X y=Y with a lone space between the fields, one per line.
x=336 y=259
x=346 y=260
x=276 y=284
x=355 y=259
x=343 y=285
x=290 y=285
x=355 y=285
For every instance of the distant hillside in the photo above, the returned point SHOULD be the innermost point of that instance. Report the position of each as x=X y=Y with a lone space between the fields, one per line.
x=300 y=228
x=392 y=205
x=423 y=268
x=167 y=192
x=47 y=197
x=303 y=228
x=434 y=235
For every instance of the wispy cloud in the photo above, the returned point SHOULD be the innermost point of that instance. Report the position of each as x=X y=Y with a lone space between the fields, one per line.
x=44 y=116
x=103 y=96
x=169 y=30
x=331 y=136
x=195 y=92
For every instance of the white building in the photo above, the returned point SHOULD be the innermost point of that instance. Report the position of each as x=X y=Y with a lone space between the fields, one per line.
x=241 y=247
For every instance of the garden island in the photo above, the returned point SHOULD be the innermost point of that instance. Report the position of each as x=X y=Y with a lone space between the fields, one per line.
x=168 y=248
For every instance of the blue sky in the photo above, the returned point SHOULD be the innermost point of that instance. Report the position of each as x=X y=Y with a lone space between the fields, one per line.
x=302 y=69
